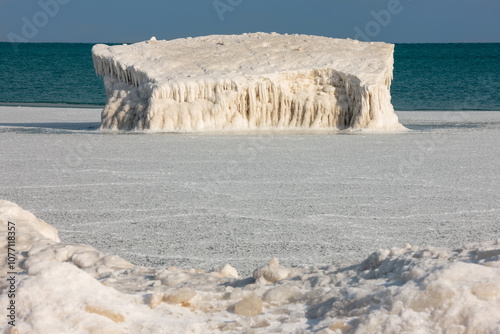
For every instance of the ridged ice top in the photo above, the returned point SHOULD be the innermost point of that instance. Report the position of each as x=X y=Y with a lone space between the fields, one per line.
x=257 y=54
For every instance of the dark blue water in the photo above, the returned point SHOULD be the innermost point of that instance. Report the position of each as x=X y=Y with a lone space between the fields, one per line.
x=426 y=76
x=446 y=77
x=49 y=73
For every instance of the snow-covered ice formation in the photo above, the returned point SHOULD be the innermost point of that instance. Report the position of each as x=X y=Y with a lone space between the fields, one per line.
x=69 y=288
x=247 y=81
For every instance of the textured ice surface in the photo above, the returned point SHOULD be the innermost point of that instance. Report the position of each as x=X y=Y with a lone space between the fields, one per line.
x=245 y=82
x=409 y=289
x=206 y=200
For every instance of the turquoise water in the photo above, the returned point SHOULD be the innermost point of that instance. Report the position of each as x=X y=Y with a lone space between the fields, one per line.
x=426 y=76
x=446 y=77
x=49 y=73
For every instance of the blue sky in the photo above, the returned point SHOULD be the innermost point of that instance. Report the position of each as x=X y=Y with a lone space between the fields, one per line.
x=396 y=21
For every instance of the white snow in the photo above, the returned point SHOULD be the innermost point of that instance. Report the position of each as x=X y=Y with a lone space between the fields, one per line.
x=245 y=82
x=70 y=288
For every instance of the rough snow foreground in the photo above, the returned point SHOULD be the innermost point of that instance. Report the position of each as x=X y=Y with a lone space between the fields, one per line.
x=67 y=288
x=246 y=82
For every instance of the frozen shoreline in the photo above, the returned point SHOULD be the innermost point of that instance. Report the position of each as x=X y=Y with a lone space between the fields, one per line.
x=210 y=198
x=407 y=289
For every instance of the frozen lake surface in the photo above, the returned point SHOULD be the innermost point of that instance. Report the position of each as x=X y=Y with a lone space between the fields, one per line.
x=205 y=199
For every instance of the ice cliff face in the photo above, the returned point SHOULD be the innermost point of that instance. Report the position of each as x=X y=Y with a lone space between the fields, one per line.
x=246 y=82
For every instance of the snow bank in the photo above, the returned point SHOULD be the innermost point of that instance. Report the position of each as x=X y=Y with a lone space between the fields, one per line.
x=65 y=288
x=245 y=82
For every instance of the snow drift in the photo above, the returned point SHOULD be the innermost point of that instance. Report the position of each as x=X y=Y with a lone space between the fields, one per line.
x=68 y=288
x=247 y=81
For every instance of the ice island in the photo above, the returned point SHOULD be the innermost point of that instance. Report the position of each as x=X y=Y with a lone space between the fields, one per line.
x=249 y=81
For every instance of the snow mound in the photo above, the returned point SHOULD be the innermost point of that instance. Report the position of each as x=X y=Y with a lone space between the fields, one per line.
x=249 y=81
x=66 y=288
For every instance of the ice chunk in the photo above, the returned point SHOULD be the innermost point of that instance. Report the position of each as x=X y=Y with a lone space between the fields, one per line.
x=34 y=229
x=434 y=296
x=271 y=273
x=114 y=262
x=226 y=271
x=486 y=290
x=246 y=82
x=250 y=306
x=156 y=298
x=283 y=294
x=114 y=316
x=182 y=296
x=86 y=259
